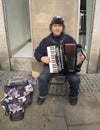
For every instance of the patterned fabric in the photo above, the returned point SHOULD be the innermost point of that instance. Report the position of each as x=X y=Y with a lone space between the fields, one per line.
x=17 y=95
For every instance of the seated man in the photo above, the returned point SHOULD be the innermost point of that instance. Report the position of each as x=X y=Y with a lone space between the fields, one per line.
x=57 y=35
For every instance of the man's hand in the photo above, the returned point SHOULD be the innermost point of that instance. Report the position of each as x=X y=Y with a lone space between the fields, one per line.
x=45 y=59
x=80 y=58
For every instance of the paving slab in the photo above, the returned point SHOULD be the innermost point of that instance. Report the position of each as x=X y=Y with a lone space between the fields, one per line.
x=97 y=96
x=55 y=105
x=55 y=123
x=34 y=119
x=86 y=127
x=87 y=111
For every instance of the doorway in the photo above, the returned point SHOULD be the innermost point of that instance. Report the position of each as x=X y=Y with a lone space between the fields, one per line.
x=82 y=26
x=87 y=10
x=17 y=20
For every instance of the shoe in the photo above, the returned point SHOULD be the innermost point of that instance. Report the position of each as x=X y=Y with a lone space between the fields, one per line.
x=73 y=100
x=40 y=100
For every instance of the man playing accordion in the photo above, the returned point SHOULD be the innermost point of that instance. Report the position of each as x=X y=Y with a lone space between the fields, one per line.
x=56 y=37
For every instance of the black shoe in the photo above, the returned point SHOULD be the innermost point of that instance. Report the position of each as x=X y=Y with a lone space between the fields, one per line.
x=73 y=100
x=40 y=100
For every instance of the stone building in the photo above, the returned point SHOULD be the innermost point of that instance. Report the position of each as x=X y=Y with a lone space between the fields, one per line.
x=23 y=23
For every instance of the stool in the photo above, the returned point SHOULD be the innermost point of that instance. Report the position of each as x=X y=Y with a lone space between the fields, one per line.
x=58 y=85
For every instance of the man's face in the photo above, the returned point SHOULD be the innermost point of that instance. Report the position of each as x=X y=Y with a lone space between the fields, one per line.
x=57 y=29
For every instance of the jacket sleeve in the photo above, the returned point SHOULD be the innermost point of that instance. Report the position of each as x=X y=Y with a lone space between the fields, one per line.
x=39 y=51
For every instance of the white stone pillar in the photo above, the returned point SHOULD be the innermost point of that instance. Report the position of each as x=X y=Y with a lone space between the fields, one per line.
x=4 y=56
x=95 y=43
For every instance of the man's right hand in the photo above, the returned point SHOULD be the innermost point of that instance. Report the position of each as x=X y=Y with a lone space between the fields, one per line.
x=45 y=59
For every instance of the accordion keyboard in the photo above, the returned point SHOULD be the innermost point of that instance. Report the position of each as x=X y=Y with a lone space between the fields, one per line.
x=51 y=50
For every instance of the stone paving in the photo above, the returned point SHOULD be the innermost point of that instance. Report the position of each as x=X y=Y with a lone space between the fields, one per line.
x=90 y=82
x=6 y=75
x=56 y=113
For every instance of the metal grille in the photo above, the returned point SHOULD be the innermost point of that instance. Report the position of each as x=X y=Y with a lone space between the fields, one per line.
x=57 y=86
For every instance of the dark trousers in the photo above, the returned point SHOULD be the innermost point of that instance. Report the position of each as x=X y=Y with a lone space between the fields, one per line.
x=45 y=77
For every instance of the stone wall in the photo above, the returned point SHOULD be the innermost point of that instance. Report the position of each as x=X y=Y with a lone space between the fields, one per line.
x=42 y=13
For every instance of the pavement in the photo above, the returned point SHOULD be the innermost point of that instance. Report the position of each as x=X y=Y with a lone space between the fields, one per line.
x=57 y=113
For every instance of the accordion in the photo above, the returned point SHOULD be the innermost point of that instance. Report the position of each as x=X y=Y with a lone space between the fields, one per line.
x=64 y=58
